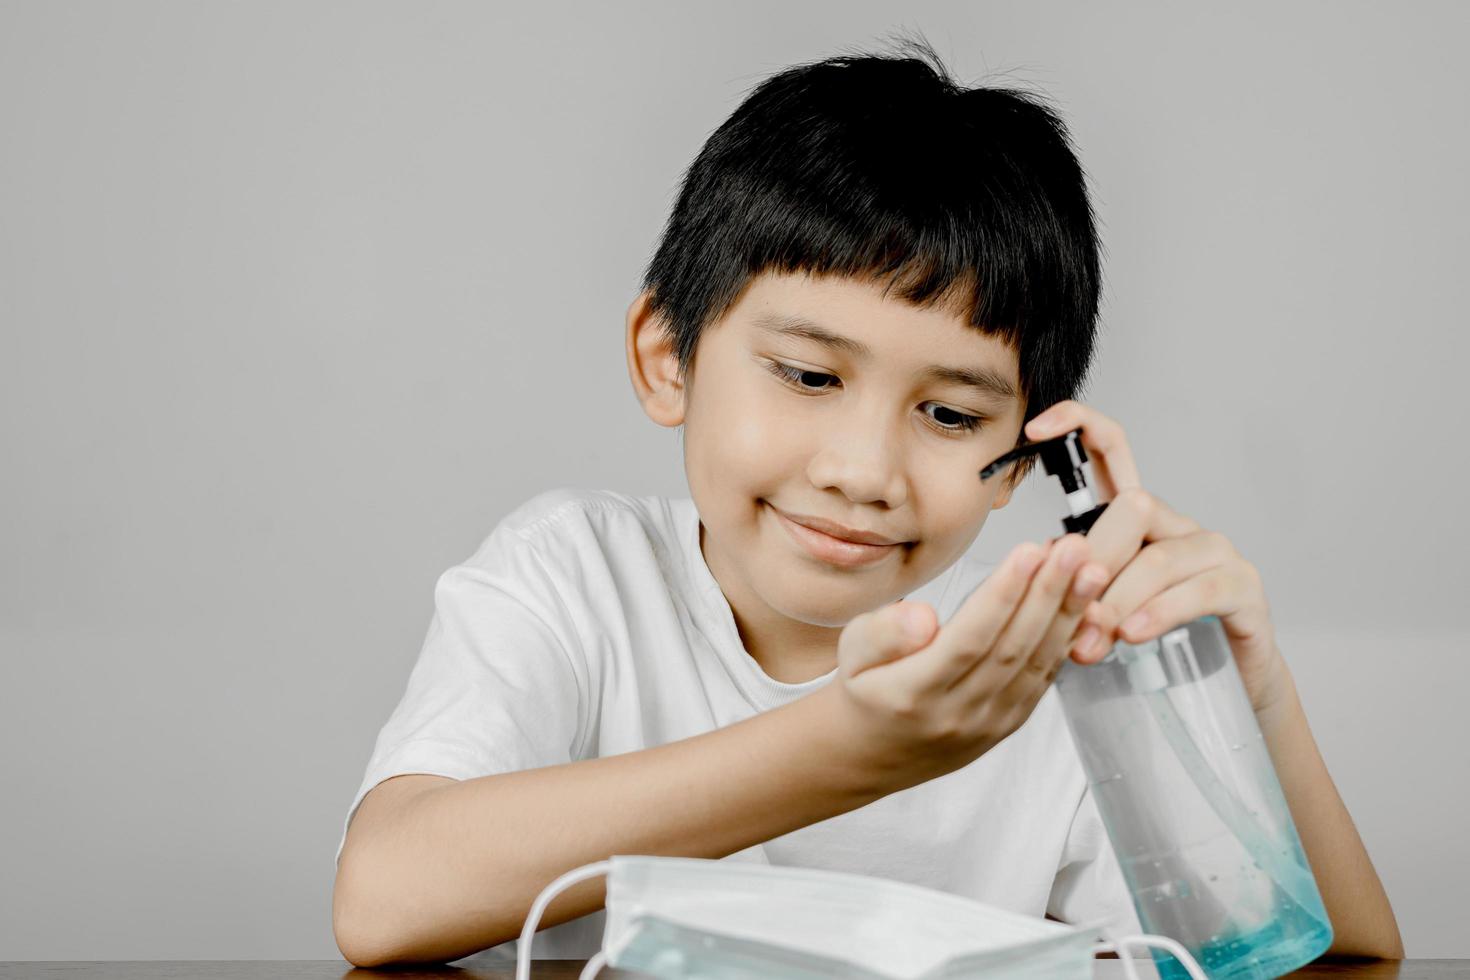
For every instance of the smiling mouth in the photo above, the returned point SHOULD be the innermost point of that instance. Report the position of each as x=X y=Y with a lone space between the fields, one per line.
x=833 y=550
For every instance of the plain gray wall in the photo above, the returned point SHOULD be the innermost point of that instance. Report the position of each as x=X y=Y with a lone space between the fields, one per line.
x=298 y=300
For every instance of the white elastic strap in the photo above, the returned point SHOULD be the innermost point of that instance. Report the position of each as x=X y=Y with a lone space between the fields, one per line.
x=593 y=965
x=528 y=932
x=1120 y=946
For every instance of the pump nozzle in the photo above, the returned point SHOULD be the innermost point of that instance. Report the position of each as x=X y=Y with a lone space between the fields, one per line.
x=1063 y=457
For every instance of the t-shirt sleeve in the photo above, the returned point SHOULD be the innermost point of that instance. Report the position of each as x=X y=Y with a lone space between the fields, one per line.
x=497 y=686
x=1089 y=886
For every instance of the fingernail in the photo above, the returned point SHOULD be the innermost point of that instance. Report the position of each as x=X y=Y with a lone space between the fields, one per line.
x=1135 y=622
x=1085 y=641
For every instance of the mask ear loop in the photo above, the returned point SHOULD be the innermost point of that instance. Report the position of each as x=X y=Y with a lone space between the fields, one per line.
x=528 y=931
x=593 y=966
x=1120 y=946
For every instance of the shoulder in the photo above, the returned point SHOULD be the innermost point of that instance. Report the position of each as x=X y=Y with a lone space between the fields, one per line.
x=573 y=522
x=548 y=510
x=549 y=506
x=568 y=556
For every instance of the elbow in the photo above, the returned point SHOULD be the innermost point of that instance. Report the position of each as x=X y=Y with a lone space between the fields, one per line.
x=358 y=953
x=359 y=942
x=368 y=950
x=1387 y=945
x=371 y=930
x=366 y=942
x=370 y=955
x=1391 y=947
x=363 y=924
x=354 y=945
x=1358 y=953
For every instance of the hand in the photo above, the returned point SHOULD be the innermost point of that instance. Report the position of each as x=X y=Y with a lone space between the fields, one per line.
x=1163 y=569
x=916 y=706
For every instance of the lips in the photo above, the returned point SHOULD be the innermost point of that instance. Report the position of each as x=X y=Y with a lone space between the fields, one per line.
x=833 y=550
x=839 y=531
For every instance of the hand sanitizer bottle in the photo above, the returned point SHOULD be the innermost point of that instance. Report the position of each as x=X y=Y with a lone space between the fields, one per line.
x=1180 y=772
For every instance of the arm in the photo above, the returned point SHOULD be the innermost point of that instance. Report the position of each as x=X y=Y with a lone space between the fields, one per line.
x=1363 y=922
x=434 y=869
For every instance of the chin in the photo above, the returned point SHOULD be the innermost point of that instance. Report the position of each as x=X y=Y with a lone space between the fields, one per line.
x=827 y=617
x=806 y=593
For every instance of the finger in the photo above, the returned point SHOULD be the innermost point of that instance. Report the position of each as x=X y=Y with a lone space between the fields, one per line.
x=1179 y=604
x=883 y=635
x=1099 y=624
x=969 y=634
x=1011 y=650
x=1113 y=466
x=1044 y=659
x=1209 y=592
x=1162 y=565
x=1087 y=584
x=1212 y=592
x=1133 y=519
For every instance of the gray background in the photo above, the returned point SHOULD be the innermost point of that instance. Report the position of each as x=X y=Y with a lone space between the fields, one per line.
x=299 y=299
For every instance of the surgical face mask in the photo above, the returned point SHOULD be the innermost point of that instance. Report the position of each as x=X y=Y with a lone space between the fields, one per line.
x=724 y=920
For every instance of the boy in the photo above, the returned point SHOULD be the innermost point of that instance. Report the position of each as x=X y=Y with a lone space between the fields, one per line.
x=872 y=284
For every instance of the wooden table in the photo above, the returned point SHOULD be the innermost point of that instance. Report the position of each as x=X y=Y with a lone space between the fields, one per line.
x=570 y=969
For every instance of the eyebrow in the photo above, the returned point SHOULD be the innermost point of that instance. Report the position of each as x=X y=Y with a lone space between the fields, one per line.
x=986 y=381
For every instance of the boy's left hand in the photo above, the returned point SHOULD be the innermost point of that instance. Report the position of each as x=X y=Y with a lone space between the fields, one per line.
x=1163 y=569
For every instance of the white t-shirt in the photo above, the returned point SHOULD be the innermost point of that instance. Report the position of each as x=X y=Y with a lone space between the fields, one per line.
x=588 y=624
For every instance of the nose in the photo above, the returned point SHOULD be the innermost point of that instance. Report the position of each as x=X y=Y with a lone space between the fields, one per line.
x=861 y=453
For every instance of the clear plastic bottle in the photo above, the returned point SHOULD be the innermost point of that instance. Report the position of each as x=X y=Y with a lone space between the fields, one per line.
x=1185 y=785
x=1192 y=805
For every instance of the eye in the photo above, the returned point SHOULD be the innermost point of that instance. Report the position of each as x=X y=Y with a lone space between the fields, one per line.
x=791 y=376
x=966 y=423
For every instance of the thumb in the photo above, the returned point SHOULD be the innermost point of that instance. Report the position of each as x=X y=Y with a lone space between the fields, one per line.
x=886 y=634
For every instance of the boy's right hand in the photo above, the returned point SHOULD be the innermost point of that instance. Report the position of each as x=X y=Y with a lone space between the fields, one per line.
x=916 y=706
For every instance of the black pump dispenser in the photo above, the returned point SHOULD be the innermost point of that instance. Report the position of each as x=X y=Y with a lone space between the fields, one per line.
x=1063 y=457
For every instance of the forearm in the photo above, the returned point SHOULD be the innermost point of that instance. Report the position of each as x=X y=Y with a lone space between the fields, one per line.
x=1363 y=922
x=458 y=866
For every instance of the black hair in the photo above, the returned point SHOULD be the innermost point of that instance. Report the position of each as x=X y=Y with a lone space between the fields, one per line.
x=882 y=167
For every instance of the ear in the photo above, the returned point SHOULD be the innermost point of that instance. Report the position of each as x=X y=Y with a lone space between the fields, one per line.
x=1004 y=497
x=653 y=366
x=1009 y=483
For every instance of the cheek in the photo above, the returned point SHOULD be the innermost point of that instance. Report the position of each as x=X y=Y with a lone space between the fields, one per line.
x=754 y=435
x=956 y=501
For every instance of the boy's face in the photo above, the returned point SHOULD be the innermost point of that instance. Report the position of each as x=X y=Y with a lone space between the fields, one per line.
x=863 y=440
